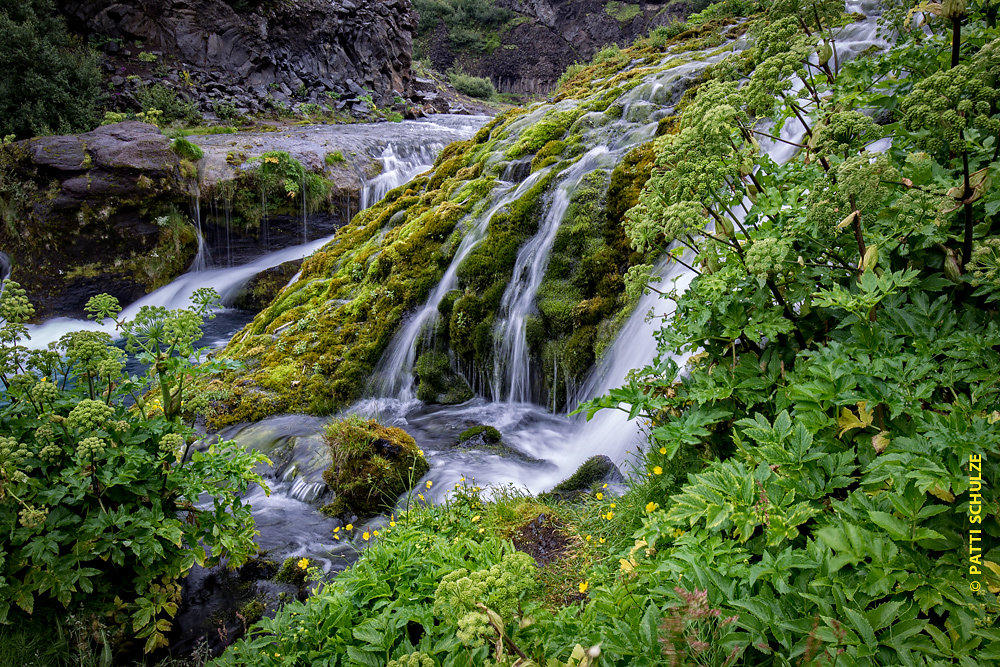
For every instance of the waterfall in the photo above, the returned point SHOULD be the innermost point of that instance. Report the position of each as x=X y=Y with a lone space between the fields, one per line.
x=395 y=370
x=512 y=361
x=201 y=258
x=398 y=169
x=398 y=166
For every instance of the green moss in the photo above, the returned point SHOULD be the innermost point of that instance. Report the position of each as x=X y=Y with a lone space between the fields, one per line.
x=437 y=382
x=372 y=465
x=553 y=125
x=590 y=473
x=187 y=150
x=489 y=433
x=290 y=573
x=622 y=11
x=548 y=154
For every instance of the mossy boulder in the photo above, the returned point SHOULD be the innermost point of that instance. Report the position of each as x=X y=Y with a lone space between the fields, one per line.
x=102 y=211
x=596 y=470
x=437 y=382
x=481 y=437
x=372 y=465
x=262 y=288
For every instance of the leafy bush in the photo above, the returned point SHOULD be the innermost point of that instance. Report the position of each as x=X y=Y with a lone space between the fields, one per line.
x=473 y=25
x=173 y=105
x=473 y=86
x=100 y=499
x=48 y=82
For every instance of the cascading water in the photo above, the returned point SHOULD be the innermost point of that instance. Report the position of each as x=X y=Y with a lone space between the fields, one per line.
x=545 y=448
x=512 y=369
x=398 y=167
x=394 y=375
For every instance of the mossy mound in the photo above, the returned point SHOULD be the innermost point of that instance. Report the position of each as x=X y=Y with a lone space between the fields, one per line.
x=372 y=465
x=437 y=382
x=488 y=433
x=315 y=347
x=592 y=472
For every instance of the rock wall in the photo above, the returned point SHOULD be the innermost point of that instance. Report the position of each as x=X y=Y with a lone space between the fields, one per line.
x=547 y=36
x=277 y=49
x=103 y=211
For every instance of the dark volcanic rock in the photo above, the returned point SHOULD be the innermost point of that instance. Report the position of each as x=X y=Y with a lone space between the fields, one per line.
x=262 y=288
x=95 y=212
x=547 y=36
x=282 y=49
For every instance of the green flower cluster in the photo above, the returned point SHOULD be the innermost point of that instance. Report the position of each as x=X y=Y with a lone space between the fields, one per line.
x=90 y=447
x=499 y=588
x=170 y=444
x=985 y=263
x=32 y=517
x=12 y=453
x=412 y=660
x=50 y=453
x=766 y=256
x=90 y=415
x=45 y=392
x=474 y=629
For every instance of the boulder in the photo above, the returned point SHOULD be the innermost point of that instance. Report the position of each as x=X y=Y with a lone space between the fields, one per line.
x=597 y=470
x=103 y=211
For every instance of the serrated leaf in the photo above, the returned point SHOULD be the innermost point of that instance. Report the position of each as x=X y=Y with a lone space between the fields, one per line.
x=848 y=421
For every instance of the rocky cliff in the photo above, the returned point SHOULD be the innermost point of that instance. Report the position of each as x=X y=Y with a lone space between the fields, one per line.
x=526 y=45
x=95 y=212
x=243 y=52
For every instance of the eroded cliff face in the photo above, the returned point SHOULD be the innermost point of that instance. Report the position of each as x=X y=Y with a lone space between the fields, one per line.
x=544 y=37
x=242 y=51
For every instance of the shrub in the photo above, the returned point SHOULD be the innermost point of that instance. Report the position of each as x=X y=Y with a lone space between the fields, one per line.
x=48 y=81
x=473 y=86
x=100 y=500
x=173 y=105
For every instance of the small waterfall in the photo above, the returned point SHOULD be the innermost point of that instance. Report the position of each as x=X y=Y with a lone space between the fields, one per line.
x=397 y=169
x=202 y=257
x=395 y=369
x=512 y=361
x=305 y=214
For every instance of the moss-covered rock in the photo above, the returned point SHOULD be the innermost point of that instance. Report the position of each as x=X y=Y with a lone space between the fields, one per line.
x=594 y=471
x=262 y=288
x=372 y=465
x=487 y=434
x=437 y=382
x=95 y=212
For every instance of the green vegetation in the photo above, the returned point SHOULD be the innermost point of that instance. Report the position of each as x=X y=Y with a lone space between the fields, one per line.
x=473 y=25
x=473 y=86
x=187 y=150
x=812 y=471
x=336 y=157
x=489 y=434
x=437 y=383
x=622 y=11
x=48 y=82
x=173 y=107
x=275 y=184
x=98 y=499
x=372 y=465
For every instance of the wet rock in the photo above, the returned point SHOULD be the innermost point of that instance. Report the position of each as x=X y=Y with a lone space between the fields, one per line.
x=262 y=288
x=594 y=471
x=97 y=212
x=437 y=382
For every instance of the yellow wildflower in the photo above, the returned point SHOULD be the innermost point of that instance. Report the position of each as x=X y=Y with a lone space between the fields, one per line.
x=584 y=585
x=429 y=484
x=663 y=450
x=349 y=526
x=588 y=538
x=657 y=470
x=303 y=563
x=367 y=536
x=651 y=506
x=612 y=505
x=601 y=540
x=475 y=518
x=609 y=515
x=605 y=486
x=600 y=496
